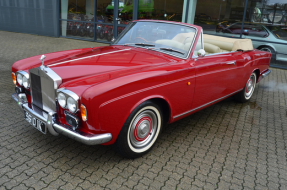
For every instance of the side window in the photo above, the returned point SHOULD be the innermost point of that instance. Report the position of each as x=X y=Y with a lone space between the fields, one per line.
x=199 y=45
x=254 y=30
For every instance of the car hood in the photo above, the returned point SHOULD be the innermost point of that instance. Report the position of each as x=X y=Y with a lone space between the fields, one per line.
x=90 y=62
x=110 y=60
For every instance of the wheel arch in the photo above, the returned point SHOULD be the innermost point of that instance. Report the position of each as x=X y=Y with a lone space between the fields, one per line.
x=257 y=72
x=162 y=102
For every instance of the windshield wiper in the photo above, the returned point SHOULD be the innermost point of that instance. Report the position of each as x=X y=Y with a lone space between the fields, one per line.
x=139 y=44
x=173 y=50
x=144 y=44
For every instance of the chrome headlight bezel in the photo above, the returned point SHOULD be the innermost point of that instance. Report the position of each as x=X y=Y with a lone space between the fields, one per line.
x=19 y=78
x=69 y=94
x=62 y=102
x=72 y=104
x=20 y=75
x=26 y=83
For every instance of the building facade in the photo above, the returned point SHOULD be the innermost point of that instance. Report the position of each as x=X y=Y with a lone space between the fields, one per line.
x=263 y=21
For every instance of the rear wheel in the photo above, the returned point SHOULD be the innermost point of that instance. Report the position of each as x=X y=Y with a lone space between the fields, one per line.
x=140 y=131
x=248 y=90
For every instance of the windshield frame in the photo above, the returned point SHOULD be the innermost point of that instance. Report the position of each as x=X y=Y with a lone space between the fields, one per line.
x=159 y=50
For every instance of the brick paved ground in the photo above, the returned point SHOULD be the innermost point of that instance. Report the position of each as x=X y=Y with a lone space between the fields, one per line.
x=226 y=146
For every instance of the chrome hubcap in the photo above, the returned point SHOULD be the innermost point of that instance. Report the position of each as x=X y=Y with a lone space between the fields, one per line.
x=143 y=129
x=250 y=87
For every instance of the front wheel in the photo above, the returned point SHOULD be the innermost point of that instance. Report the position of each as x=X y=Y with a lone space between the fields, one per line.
x=248 y=90
x=140 y=131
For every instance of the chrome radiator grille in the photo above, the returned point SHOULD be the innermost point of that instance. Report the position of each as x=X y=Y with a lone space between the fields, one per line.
x=43 y=88
x=36 y=90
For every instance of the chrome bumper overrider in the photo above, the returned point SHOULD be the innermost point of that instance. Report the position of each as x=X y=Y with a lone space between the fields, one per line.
x=57 y=128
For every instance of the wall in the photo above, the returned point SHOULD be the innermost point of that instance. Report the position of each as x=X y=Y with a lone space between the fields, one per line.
x=30 y=16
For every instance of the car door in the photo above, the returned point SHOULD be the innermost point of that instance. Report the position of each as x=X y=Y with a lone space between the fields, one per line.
x=217 y=76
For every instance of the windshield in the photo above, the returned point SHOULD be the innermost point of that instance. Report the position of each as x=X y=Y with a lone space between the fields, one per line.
x=169 y=38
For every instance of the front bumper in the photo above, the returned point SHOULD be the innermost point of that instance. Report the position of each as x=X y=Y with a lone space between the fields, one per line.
x=56 y=128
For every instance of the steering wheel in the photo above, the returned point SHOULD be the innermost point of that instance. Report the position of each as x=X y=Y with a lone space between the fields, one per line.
x=141 y=39
x=185 y=39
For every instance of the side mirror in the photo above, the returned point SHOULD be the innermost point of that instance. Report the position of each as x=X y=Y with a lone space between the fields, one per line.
x=201 y=53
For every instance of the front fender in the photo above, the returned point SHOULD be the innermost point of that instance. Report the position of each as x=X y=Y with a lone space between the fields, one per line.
x=110 y=103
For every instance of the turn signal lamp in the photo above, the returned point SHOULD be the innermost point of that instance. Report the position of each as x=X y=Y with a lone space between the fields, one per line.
x=84 y=113
x=14 y=78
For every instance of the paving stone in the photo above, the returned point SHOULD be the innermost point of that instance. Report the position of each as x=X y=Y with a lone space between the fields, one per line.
x=229 y=145
x=4 y=179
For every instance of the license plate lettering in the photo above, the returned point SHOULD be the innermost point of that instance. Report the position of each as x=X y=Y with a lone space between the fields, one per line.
x=38 y=124
x=28 y=117
x=34 y=121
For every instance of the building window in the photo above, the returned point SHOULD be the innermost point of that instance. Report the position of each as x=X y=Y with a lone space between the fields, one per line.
x=77 y=18
x=97 y=20
x=160 y=10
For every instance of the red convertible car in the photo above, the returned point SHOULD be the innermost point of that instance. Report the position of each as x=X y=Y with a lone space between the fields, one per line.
x=154 y=73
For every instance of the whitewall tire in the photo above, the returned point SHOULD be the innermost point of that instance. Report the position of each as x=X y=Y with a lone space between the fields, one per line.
x=140 y=131
x=248 y=90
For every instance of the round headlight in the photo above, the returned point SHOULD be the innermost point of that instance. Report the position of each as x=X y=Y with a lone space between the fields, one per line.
x=25 y=82
x=62 y=100
x=72 y=104
x=20 y=79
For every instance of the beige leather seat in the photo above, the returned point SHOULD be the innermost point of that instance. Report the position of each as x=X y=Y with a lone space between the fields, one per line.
x=180 y=41
x=218 y=44
x=212 y=44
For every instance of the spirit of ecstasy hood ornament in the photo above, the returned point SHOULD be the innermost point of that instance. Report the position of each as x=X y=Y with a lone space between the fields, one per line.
x=42 y=59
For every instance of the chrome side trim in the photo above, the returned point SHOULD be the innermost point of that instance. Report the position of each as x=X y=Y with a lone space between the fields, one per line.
x=265 y=74
x=145 y=89
x=57 y=128
x=219 y=53
x=206 y=104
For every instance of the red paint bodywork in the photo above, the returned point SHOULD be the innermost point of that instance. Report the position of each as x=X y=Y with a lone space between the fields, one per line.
x=114 y=80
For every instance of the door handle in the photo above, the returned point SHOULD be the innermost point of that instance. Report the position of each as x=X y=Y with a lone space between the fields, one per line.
x=231 y=63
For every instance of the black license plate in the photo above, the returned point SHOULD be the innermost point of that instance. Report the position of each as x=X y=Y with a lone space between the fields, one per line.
x=38 y=124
